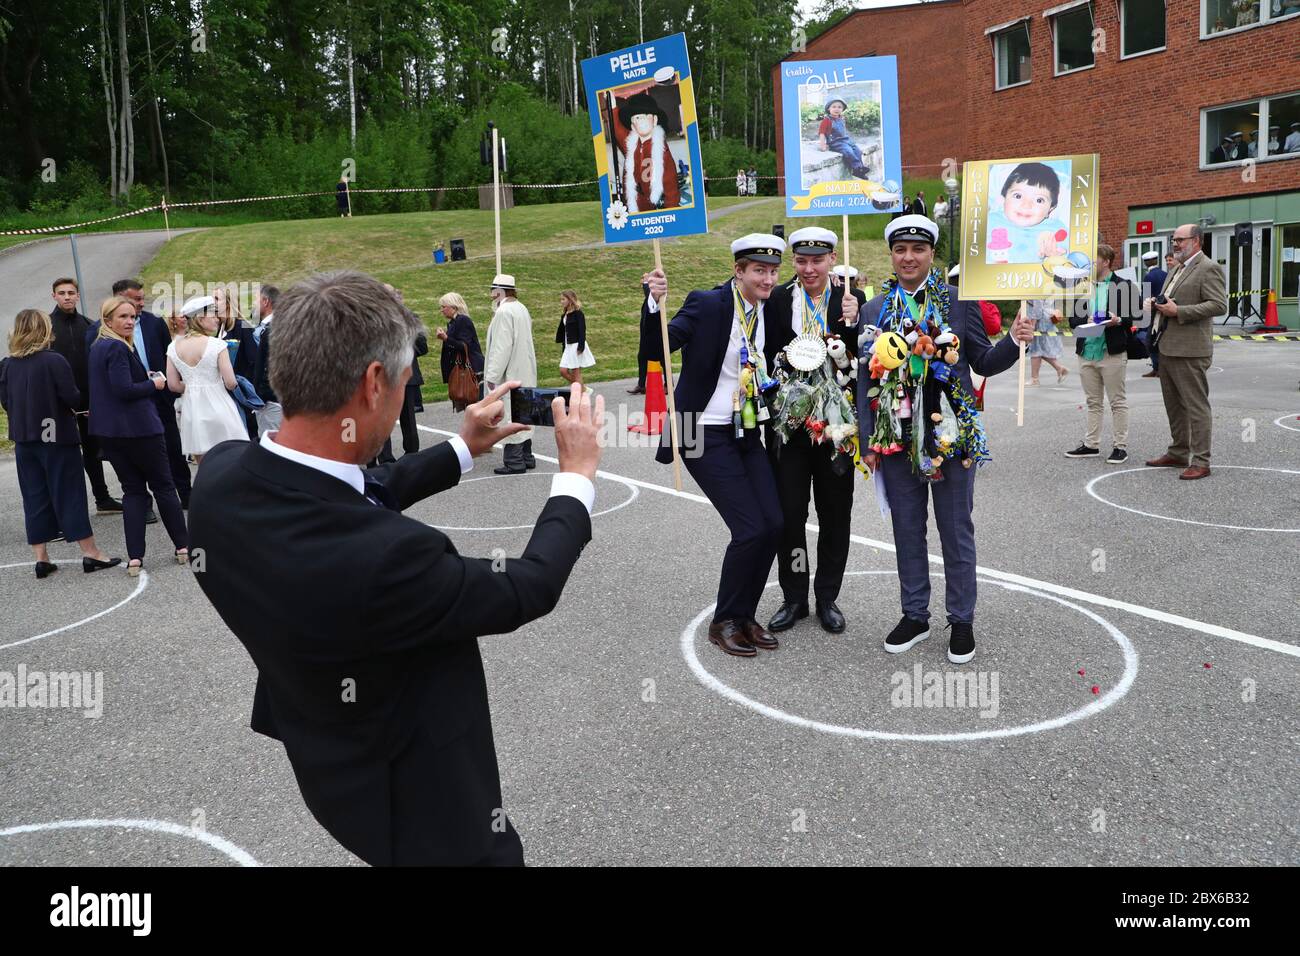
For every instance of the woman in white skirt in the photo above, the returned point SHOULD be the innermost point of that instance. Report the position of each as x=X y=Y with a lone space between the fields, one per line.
x=572 y=334
x=199 y=370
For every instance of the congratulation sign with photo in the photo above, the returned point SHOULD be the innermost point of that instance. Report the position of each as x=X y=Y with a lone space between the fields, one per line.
x=1029 y=227
x=839 y=120
x=642 y=109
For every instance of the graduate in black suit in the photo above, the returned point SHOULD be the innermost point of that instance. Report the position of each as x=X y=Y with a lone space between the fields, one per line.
x=721 y=332
x=810 y=304
x=365 y=637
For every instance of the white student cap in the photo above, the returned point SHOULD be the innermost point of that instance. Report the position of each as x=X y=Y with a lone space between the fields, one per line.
x=759 y=246
x=912 y=228
x=813 y=241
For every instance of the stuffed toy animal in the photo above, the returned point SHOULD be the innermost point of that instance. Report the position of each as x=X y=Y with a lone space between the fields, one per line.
x=846 y=366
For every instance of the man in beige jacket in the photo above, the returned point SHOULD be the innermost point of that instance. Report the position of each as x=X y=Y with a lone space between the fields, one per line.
x=1183 y=317
x=511 y=357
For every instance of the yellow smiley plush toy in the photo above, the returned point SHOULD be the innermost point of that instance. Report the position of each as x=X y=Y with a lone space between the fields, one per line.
x=890 y=350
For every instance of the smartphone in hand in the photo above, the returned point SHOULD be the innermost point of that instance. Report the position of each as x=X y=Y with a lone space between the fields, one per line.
x=532 y=406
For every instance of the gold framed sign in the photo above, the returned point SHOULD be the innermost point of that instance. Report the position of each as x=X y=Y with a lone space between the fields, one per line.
x=1028 y=227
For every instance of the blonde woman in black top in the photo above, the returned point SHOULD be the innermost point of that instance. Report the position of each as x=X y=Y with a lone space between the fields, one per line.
x=572 y=334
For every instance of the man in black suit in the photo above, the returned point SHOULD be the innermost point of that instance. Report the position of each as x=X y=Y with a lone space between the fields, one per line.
x=721 y=332
x=809 y=304
x=365 y=641
x=411 y=404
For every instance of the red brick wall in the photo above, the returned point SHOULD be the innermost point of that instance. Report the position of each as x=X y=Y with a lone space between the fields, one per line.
x=1142 y=115
x=927 y=39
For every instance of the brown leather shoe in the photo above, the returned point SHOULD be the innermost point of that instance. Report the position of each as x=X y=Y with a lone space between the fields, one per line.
x=1151 y=374
x=1194 y=472
x=729 y=636
x=1166 y=461
x=760 y=638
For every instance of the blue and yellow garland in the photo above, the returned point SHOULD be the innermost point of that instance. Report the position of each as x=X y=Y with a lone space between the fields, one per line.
x=911 y=388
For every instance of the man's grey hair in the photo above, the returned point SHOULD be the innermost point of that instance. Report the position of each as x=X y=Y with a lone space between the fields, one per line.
x=270 y=293
x=328 y=329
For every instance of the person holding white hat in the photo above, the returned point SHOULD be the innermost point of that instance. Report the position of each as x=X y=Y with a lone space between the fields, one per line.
x=511 y=357
x=719 y=398
x=809 y=305
x=917 y=307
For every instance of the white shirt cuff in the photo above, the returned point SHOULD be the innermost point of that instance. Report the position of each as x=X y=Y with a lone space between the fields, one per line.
x=462 y=452
x=652 y=304
x=575 y=486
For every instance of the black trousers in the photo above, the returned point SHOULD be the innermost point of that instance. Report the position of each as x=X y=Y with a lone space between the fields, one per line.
x=54 y=493
x=140 y=462
x=736 y=476
x=91 y=461
x=410 y=432
x=799 y=464
x=180 y=468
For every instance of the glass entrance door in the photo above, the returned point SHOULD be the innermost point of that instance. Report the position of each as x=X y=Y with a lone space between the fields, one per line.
x=1248 y=269
x=1135 y=249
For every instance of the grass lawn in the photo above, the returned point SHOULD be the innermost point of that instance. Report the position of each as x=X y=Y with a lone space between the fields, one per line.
x=538 y=248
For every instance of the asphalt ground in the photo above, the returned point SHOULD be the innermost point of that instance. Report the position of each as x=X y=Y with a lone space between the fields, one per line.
x=624 y=737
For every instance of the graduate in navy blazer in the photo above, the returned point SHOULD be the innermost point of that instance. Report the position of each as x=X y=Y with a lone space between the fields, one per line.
x=725 y=457
x=911 y=241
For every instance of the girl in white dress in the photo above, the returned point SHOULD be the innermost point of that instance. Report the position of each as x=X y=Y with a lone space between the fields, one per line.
x=572 y=334
x=199 y=370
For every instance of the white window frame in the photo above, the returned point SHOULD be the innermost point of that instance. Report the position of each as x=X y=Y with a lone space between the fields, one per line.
x=993 y=33
x=1051 y=15
x=1265 y=18
x=1155 y=49
x=1261 y=130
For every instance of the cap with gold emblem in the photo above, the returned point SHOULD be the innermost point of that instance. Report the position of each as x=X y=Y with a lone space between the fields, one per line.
x=813 y=241
x=759 y=246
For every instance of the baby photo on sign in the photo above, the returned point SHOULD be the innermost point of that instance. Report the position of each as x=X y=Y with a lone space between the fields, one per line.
x=649 y=159
x=1028 y=207
x=839 y=133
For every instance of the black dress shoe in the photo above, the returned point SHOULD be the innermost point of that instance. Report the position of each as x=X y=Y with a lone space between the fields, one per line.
x=831 y=618
x=151 y=517
x=108 y=506
x=44 y=569
x=503 y=470
x=91 y=565
x=786 y=615
x=636 y=391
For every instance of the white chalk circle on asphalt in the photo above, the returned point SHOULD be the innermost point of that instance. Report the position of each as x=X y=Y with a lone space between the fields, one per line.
x=1294 y=418
x=1090 y=488
x=537 y=474
x=1101 y=703
x=141 y=584
x=220 y=844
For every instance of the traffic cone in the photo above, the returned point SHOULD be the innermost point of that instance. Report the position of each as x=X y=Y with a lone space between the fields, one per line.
x=656 y=402
x=1271 y=323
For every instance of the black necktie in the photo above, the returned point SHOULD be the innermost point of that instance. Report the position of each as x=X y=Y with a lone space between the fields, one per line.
x=380 y=495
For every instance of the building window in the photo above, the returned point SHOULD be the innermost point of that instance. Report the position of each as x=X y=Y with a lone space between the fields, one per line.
x=1284 y=125
x=1260 y=129
x=1072 y=38
x=1142 y=26
x=1228 y=133
x=1290 y=262
x=1218 y=16
x=1011 y=48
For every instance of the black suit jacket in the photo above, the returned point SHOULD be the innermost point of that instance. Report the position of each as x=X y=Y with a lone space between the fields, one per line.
x=421 y=348
x=701 y=329
x=262 y=371
x=365 y=642
x=461 y=331
x=976 y=351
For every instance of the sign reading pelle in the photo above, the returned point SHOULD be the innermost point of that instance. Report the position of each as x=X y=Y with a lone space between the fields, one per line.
x=642 y=108
x=839 y=122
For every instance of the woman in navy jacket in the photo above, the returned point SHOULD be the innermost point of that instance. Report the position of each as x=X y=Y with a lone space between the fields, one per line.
x=40 y=397
x=123 y=415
